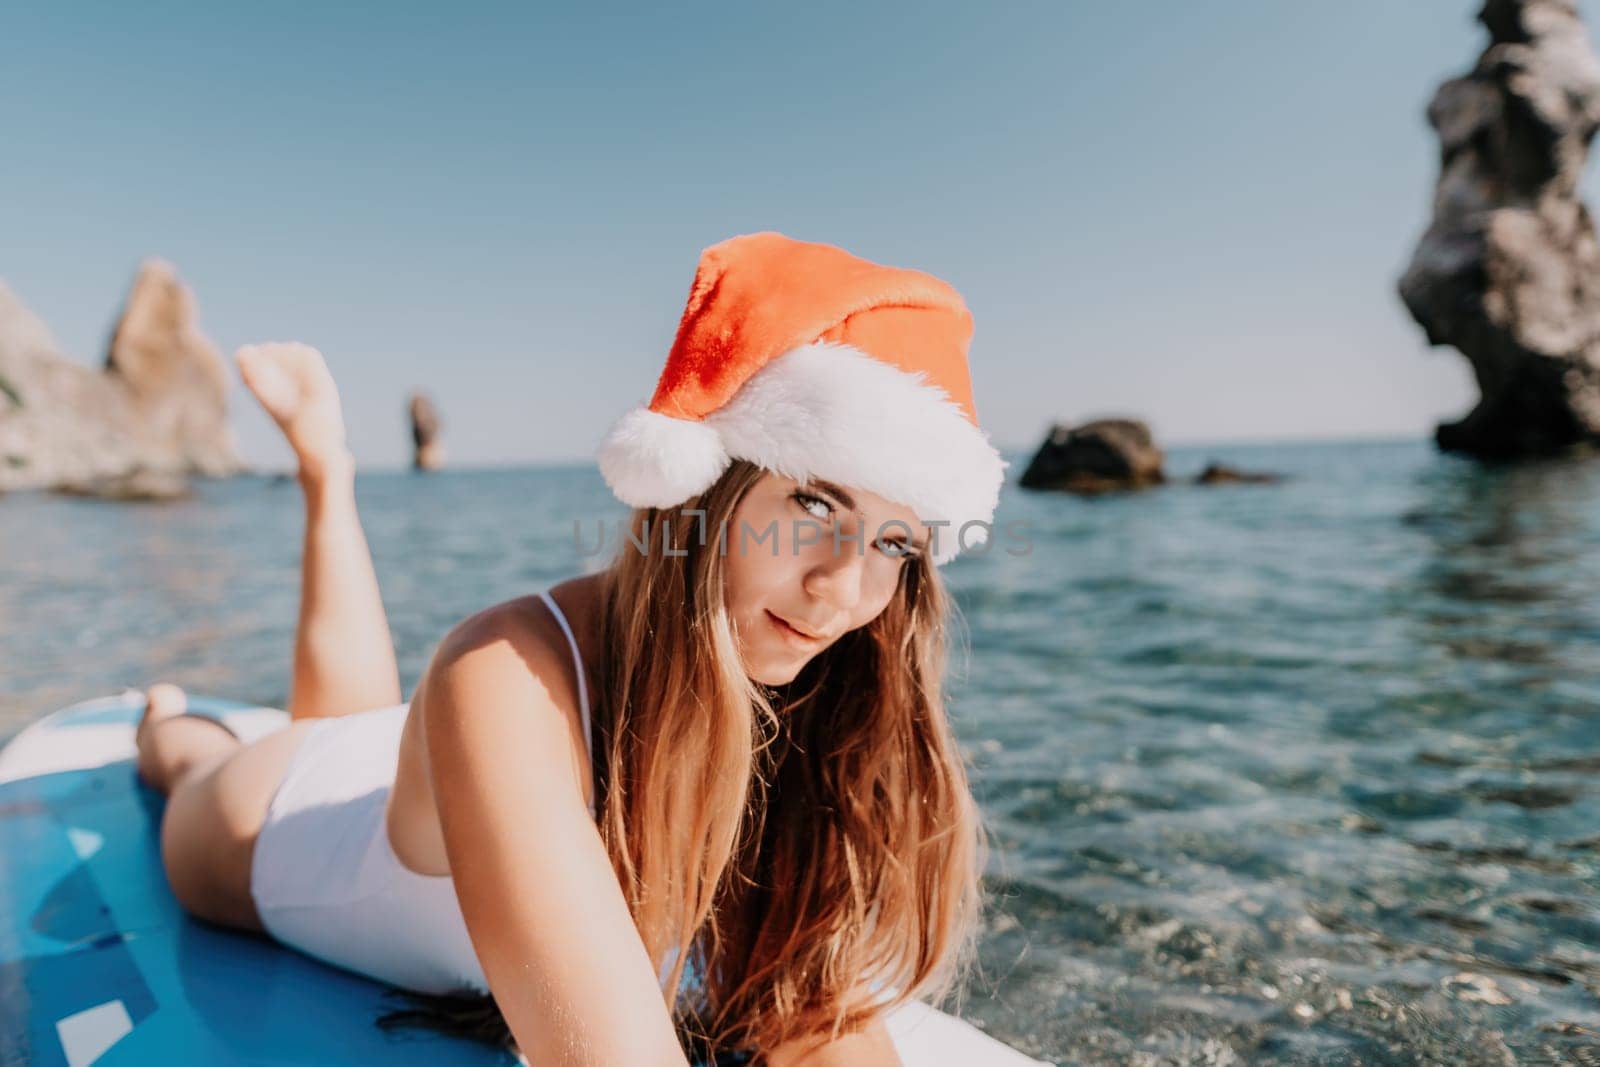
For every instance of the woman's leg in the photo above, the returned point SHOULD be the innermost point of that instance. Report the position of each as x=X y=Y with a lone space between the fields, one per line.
x=172 y=746
x=217 y=795
x=344 y=657
x=217 y=789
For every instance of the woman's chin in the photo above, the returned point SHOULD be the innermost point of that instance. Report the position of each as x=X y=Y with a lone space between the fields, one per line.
x=774 y=674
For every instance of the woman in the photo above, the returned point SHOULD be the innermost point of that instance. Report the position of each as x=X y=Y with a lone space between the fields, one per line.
x=708 y=796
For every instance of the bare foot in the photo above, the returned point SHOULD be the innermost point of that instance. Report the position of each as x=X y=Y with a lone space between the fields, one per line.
x=293 y=384
x=163 y=758
x=161 y=701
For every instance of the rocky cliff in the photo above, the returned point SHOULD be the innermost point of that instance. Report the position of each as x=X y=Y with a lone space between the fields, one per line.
x=158 y=408
x=1508 y=272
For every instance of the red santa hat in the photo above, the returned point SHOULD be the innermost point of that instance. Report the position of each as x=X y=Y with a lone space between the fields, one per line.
x=813 y=363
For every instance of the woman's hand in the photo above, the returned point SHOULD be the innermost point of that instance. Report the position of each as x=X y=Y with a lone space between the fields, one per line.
x=547 y=917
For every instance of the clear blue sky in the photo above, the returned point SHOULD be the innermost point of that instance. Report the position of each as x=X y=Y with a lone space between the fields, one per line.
x=1190 y=212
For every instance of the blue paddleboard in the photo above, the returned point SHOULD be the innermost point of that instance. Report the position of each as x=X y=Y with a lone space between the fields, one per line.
x=99 y=964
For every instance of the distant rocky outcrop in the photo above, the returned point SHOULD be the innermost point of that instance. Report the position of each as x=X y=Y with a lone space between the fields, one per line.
x=1096 y=457
x=425 y=426
x=1108 y=455
x=1222 y=474
x=1509 y=270
x=155 y=413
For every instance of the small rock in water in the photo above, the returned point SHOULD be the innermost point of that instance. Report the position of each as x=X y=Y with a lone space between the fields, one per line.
x=1357 y=823
x=1572 y=1028
x=1096 y=457
x=1221 y=474
x=1531 y=797
x=1465 y=985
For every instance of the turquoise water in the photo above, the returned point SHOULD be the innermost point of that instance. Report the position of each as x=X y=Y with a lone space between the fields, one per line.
x=1285 y=774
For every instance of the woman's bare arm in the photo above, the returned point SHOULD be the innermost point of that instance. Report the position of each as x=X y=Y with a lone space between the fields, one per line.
x=547 y=917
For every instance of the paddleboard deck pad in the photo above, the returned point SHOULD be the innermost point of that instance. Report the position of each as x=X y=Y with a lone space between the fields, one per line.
x=99 y=964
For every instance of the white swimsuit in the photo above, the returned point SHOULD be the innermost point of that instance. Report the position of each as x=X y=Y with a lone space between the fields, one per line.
x=325 y=878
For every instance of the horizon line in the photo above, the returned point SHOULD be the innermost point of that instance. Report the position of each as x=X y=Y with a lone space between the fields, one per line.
x=570 y=463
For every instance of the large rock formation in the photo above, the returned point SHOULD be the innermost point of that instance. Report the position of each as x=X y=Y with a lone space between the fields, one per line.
x=1099 y=456
x=1509 y=270
x=158 y=409
x=428 y=454
x=176 y=377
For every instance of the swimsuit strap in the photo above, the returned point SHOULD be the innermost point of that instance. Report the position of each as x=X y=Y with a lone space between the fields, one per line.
x=583 y=686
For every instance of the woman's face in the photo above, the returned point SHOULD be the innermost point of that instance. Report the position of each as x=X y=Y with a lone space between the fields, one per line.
x=808 y=562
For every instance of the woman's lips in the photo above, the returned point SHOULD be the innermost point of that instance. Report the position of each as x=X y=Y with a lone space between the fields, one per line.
x=793 y=636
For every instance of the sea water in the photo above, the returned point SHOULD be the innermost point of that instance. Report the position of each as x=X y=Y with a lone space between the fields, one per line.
x=1275 y=774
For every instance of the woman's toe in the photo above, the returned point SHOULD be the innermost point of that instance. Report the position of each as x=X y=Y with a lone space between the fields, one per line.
x=164 y=700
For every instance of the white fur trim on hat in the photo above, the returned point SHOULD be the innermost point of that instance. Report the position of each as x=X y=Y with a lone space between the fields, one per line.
x=829 y=411
x=652 y=460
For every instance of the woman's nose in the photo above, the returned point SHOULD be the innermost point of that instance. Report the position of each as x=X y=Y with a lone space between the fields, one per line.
x=836 y=575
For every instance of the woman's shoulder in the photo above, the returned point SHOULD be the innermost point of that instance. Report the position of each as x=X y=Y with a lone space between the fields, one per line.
x=514 y=656
x=526 y=625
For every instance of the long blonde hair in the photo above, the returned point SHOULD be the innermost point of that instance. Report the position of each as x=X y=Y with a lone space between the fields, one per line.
x=813 y=848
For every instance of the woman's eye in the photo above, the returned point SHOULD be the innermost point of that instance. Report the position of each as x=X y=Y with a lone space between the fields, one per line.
x=897 y=550
x=806 y=500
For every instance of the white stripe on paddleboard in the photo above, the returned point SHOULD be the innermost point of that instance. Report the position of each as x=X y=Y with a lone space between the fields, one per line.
x=86 y=1035
x=84 y=842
